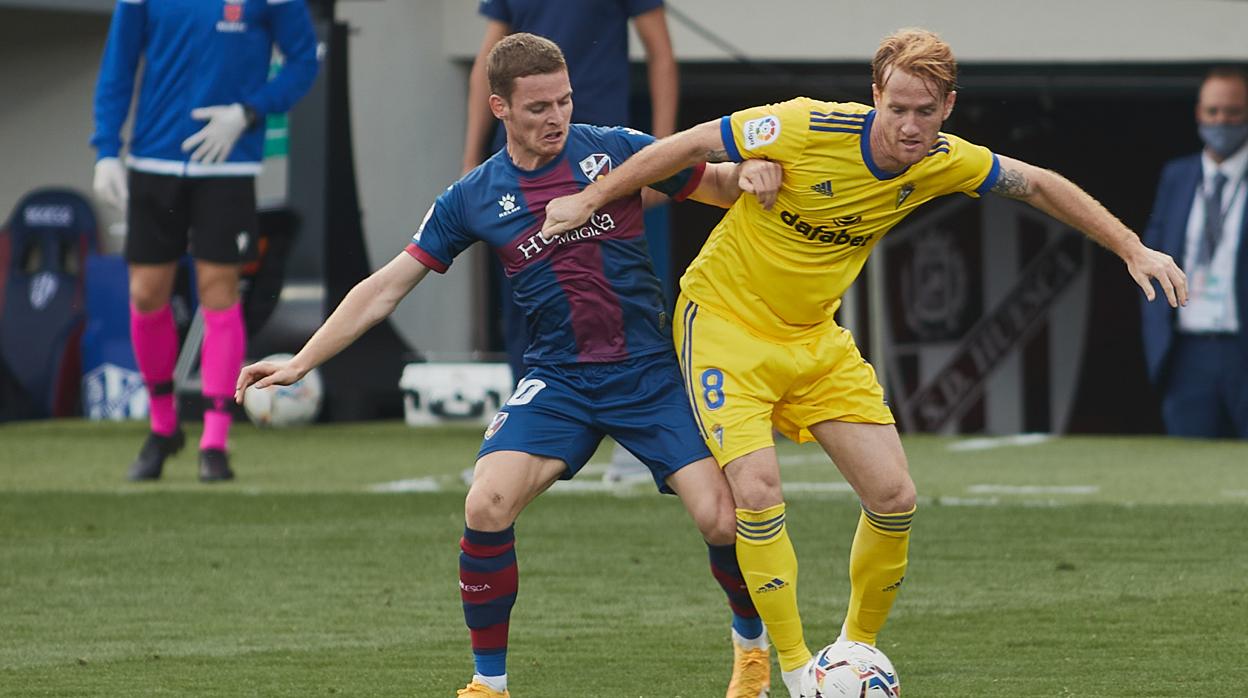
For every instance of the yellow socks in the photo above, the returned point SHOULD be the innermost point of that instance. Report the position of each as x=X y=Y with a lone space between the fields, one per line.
x=769 y=567
x=877 y=566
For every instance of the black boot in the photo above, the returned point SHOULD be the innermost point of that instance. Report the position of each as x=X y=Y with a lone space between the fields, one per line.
x=156 y=449
x=214 y=465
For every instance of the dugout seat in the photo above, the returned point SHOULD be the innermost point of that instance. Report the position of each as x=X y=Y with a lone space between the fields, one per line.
x=43 y=251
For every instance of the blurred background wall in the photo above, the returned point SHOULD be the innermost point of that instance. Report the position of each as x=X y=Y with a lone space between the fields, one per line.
x=1101 y=90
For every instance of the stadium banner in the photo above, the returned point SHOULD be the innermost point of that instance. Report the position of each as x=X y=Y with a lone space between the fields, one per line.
x=446 y=393
x=984 y=318
x=112 y=387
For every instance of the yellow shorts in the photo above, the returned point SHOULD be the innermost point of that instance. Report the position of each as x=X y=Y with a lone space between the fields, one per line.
x=741 y=386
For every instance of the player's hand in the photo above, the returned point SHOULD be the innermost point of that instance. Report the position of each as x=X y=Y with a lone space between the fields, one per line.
x=262 y=374
x=762 y=179
x=213 y=142
x=564 y=214
x=110 y=182
x=1147 y=264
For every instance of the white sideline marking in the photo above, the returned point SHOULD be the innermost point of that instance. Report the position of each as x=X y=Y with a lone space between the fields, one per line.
x=594 y=485
x=989 y=442
x=417 y=484
x=1236 y=493
x=1033 y=489
x=963 y=501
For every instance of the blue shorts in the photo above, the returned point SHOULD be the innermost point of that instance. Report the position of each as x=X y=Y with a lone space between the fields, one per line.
x=564 y=411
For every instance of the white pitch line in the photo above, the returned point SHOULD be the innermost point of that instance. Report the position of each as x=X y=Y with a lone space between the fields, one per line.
x=963 y=501
x=591 y=485
x=416 y=484
x=1235 y=493
x=990 y=442
x=1033 y=489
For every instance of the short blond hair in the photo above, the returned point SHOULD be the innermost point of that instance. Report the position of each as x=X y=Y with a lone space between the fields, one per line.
x=521 y=55
x=919 y=52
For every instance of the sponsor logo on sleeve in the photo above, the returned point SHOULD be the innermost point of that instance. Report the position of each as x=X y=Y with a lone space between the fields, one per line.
x=760 y=132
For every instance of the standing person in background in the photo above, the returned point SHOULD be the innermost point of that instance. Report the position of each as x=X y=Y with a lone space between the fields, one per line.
x=196 y=146
x=1197 y=355
x=758 y=342
x=593 y=35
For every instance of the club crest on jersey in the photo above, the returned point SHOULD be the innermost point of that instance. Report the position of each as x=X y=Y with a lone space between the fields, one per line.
x=508 y=204
x=596 y=165
x=496 y=424
x=761 y=131
x=232 y=17
x=904 y=193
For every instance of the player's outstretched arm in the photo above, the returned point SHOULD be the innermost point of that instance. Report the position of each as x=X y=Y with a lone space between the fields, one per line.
x=655 y=162
x=371 y=301
x=723 y=183
x=1064 y=200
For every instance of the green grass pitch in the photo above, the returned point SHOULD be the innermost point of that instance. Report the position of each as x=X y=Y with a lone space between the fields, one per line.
x=1063 y=567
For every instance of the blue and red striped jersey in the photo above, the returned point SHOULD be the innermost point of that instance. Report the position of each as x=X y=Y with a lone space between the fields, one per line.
x=589 y=296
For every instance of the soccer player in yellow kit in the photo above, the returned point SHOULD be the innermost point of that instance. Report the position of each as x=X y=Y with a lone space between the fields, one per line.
x=757 y=341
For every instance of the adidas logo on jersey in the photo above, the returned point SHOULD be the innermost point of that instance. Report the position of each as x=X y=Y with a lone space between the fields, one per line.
x=776 y=584
x=824 y=187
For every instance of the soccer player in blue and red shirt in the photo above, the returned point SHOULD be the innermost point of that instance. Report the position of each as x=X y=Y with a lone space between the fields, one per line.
x=600 y=347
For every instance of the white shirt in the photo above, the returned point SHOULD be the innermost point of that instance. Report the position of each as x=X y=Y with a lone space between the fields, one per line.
x=1211 y=289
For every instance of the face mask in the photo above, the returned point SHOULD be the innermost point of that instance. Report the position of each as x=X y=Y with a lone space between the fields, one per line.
x=1223 y=139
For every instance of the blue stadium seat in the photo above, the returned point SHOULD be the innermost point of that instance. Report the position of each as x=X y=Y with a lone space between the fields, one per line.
x=43 y=251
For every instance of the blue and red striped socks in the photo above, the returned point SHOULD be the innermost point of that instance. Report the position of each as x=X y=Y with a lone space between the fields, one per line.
x=488 y=581
x=727 y=572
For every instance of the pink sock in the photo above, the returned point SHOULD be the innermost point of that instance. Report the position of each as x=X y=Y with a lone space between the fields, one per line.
x=155 y=340
x=225 y=342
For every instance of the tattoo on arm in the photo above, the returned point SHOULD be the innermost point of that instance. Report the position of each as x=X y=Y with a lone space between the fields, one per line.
x=717 y=155
x=1012 y=183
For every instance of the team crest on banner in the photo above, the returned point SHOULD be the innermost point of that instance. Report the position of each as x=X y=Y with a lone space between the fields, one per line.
x=596 y=165
x=984 y=321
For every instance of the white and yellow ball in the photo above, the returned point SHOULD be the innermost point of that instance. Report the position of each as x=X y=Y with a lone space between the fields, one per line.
x=285 y=405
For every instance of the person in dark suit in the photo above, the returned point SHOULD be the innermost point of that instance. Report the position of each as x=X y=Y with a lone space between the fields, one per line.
x=1197 y=355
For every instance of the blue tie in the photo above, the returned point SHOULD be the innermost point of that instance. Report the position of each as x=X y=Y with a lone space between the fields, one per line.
x=1212 y=233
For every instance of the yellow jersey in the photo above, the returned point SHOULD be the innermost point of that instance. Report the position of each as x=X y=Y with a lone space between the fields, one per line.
x=782 y=272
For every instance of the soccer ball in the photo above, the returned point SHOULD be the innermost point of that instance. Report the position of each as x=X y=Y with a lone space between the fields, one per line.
x=850 y=670
x=284 y=405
